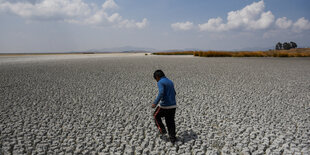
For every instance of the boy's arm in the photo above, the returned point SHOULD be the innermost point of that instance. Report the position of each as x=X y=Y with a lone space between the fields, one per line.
x=160 y=94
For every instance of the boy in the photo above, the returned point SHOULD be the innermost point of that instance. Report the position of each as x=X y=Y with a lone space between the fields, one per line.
x=167 y=106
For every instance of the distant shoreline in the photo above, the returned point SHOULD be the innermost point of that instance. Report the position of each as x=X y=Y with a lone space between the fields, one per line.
x=298 y=52
x=77 y=53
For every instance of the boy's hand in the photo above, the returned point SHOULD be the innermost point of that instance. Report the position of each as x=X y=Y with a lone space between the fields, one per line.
x=153 y=105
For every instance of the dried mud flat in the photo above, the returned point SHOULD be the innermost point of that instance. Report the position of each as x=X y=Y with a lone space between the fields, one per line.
x=101 y=105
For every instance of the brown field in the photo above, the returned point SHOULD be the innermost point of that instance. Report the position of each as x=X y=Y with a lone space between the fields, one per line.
x=299 y=52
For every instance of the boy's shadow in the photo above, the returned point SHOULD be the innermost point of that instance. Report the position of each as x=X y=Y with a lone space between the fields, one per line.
x=184 y=137
x=188 y=135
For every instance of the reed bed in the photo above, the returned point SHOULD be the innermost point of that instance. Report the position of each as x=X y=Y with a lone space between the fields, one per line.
x=175 y=53
x=299 y=52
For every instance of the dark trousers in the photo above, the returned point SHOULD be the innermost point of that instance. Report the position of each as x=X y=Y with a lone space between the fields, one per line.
x=169 y=118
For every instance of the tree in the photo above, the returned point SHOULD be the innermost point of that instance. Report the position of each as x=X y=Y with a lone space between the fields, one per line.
x=293 y=44
x=286 y=46
x=279 y=46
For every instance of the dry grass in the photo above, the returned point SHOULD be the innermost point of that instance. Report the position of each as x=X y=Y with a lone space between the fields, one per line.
x=175 y=53
x=299 y=52
x=213 y=54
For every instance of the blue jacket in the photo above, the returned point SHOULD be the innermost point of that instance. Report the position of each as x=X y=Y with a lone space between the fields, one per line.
x=166 y=93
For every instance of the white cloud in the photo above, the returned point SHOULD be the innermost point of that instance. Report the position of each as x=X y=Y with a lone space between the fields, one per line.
x=71 y=11
x=142 y=24
x=213 y=24
x=114 y=18
x=263 y=22
x=301 y=24
x=47 y=9
x=285 y=27
x=284 y=23
x=245 y=16
x=182 y=26
x=251 y=17
x=132 y=24
x=109 y=4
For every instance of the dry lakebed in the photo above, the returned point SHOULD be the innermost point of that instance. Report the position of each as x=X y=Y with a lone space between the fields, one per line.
x=101 y=104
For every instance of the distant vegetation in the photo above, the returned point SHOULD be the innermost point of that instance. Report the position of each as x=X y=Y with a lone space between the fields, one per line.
x=293 y=52
x=175 y=53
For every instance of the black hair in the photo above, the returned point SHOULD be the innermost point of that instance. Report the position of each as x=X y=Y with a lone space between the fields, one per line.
x=158 y=73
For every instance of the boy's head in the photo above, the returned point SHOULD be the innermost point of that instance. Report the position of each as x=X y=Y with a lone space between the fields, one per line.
x=158 y=74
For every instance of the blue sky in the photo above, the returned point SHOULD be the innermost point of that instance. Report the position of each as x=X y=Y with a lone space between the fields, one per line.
x=77 y=25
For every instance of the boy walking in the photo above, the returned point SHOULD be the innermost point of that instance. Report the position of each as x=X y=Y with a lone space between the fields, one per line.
x=167 y=105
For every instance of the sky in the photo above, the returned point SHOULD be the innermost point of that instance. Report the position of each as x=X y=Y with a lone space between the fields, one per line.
x=81 y=25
